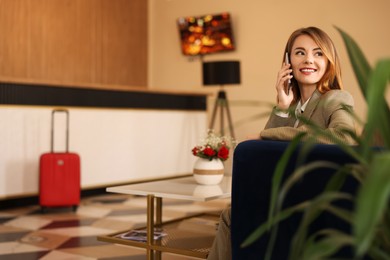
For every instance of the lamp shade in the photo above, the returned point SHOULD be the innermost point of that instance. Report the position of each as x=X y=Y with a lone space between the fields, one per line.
x=221 y=73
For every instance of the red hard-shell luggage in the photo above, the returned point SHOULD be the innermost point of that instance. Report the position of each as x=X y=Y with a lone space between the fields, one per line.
x=59 y=176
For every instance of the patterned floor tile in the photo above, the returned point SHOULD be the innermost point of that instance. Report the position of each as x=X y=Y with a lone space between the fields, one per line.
x=107 y=250
x=169 y=256
x=81 y=242
x=11 y=229
x=127 y=212
x=195 y=208
x=78 y=231
x=134 y=257
x=93 y=211
x=20 y=211
x=4 y=219
x=69 y=223
x=5 y=214
x=136 y=219
x=136 y=202
x=116 y=225
x=57 y=209
x=17 y=248
x=58 y=255
x=173 y=214
x=58 y=216
x=6 y=237
x=45 y=240
x=109 y=199
x=111 y=202
x=60 y=233
x=28 y=222
x=24 y=256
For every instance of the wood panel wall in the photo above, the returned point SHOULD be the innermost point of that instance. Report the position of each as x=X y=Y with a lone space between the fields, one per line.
x=74 y=42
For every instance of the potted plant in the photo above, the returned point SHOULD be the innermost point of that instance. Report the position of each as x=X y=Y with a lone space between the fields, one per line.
x=370 y=219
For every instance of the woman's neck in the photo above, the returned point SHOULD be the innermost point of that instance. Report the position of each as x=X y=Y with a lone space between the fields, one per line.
x=306 y=92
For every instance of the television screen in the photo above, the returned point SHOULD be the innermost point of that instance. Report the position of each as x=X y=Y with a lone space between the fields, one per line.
x=206 y=34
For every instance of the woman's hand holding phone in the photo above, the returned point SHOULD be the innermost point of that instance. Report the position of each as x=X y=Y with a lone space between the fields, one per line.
x=283 y=85
x=287 y=61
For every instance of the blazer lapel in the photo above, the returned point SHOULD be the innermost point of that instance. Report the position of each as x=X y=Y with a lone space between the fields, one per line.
x=311 y=106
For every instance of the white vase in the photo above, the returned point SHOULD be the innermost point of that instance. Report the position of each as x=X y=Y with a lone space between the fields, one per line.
x=208 y=172
x=207 y=191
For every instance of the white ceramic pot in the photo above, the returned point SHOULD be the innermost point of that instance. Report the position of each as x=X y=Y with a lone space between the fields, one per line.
x=208 y=172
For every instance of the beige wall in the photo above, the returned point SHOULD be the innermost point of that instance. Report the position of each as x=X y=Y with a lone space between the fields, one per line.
x=261 y=30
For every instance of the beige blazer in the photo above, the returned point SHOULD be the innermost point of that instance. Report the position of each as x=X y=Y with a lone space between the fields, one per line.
x=324 y=110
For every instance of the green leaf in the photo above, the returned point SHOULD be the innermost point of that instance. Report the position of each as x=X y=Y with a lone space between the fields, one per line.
x=338 y=179
x=372 y=201
x=320 y=132
x=359 y=62
x=279 y=172
x=343 y=214
x=300 y=172
x=379 y=253
x=258 y=232
x=276 y=184
x=316 y=206
x=329 y=243
x=378 y=111
x=370 y=82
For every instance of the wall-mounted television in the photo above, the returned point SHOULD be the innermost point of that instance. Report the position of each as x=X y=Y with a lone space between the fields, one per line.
x=206 y=34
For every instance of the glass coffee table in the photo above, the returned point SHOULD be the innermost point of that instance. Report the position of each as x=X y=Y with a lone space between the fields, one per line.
x=192 y=235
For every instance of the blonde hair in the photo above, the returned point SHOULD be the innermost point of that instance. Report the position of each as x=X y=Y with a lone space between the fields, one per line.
x=332 y=76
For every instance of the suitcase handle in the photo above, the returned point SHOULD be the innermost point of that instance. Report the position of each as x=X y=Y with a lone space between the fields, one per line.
x=67 y=128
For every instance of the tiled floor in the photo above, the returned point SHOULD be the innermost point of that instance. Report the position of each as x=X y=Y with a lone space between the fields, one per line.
x=60 y=233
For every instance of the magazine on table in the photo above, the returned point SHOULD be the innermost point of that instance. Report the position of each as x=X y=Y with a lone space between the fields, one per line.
x=141 y=235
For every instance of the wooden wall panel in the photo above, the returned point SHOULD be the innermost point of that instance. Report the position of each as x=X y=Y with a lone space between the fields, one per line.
x=101 y=42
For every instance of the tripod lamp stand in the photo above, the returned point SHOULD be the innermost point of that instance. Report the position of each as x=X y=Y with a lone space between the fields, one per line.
x=221 y=73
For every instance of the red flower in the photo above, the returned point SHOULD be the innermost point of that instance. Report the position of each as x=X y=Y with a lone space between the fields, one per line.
x=208 y=151
x=223 y=153
x=195 y=151
x=213 y=147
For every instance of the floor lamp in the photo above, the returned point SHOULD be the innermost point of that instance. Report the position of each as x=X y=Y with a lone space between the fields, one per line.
x=221 y=73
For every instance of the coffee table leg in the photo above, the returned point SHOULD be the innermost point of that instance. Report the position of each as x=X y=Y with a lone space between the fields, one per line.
x=158 y=211
x=158 y=220
x=150 y=227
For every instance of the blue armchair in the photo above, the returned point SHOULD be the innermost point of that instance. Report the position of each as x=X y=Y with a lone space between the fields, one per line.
x=253 y=167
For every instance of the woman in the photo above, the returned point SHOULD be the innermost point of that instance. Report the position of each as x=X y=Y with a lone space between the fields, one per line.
x=308 y=89
x=316 y=90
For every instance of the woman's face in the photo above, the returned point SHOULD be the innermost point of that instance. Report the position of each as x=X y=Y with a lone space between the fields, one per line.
x=308 y=61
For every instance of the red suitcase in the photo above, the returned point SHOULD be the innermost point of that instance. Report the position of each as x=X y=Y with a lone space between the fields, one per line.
x=59 y=176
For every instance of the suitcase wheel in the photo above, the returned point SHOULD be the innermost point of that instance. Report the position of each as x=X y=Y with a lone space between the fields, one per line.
x=75 y=208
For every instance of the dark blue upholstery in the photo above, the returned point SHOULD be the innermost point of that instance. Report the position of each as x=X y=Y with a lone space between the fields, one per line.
x=253 y=167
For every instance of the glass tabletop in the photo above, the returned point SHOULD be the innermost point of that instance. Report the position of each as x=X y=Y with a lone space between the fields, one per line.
x=179 y=188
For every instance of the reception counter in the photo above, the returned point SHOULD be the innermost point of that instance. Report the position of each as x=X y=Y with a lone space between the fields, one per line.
x=122 y=136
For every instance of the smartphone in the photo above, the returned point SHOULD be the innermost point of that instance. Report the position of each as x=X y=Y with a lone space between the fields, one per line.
x=287 y=61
